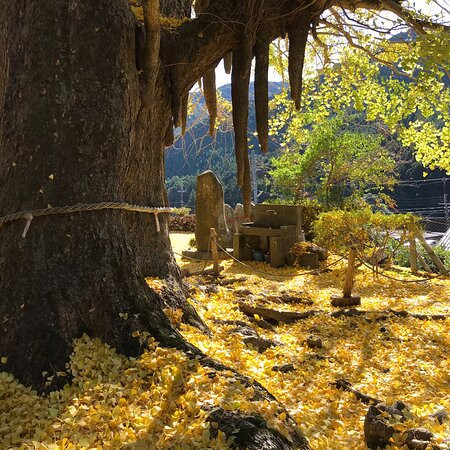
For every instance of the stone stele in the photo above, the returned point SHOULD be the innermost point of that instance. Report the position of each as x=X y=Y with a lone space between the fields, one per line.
x=209 y=210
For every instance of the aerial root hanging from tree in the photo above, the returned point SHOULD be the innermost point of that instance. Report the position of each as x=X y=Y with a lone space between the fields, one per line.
x=175 y=96
x=210 y=94
x=184 y=113
x=240 y=79
x=247 y=186
x=152 y=43
x=169 y=136
x=298 y=37
x=172 y=55
x=228 y=62
x=262 y=91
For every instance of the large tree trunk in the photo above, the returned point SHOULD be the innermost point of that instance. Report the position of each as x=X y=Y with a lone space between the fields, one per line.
x=72 y=129
x=83 y=119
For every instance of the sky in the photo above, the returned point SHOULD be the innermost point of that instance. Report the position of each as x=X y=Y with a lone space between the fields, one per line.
x=222 y=78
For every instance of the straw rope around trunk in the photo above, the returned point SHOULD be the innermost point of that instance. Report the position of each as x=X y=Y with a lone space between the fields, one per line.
x=28 y=215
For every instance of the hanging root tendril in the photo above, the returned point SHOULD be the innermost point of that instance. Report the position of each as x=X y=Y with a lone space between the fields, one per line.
x=298 y=36
x=184 y=113
x=175 y=101
x=228 y=62
x=262 y=91
x=247 y=187
x=169 y=137
x=240 y=78
x=210 y=93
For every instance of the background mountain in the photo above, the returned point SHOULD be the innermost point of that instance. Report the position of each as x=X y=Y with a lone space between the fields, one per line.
x=198 y=151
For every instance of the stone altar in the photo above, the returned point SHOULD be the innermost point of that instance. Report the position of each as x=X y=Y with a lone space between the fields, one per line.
x=274 y=230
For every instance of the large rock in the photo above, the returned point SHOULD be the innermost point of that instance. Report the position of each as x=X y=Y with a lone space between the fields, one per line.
x=209 y=210
x=378 y=429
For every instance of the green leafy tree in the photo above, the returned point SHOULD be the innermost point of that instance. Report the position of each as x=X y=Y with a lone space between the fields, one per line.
x=337 y=166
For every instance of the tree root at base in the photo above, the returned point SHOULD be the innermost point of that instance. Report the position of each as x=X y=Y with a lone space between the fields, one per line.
x=379 y=422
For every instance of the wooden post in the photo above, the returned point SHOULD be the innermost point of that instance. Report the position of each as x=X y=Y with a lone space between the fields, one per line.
x=424 y=263
x=433 y=255
x=413 y=254
x=214 y=252
x=347 y=298
x=350 y=274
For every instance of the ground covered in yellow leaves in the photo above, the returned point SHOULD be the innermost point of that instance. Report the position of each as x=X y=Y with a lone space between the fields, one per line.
x=158 y=400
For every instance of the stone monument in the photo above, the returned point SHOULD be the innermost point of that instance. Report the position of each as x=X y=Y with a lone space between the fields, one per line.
x=209 y=211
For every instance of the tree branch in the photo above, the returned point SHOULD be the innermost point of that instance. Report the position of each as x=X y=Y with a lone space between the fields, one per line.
x=152 y=44
x=350 y=40
x=418 y=25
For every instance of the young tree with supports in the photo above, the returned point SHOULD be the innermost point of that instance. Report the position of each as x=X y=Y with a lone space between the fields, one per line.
x=89 y=97
x=360 y=235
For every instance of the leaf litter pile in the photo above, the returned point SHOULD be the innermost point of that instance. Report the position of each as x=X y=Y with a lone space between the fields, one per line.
x=162 y=399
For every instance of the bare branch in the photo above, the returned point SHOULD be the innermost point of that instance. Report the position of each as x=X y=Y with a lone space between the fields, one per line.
x=418 y=25
x=350 y=40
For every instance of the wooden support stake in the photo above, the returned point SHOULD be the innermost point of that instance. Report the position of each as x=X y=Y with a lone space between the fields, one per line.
x=413 y=254
x=214 y=252
x=350 y=274
x=430 y=251
x=424 y=263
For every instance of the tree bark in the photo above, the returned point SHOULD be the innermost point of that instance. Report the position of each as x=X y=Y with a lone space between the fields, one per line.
x=74 y=128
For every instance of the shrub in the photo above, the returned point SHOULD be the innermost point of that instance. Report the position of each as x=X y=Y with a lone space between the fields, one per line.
x=401 y=257
x=364 y=231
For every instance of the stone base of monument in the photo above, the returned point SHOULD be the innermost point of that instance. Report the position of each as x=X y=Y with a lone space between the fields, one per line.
x=309 y=260
x=343 y=302
x=204 y=256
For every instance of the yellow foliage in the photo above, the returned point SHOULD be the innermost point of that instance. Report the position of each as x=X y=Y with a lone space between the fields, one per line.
x=156 y=401
x=411 y=364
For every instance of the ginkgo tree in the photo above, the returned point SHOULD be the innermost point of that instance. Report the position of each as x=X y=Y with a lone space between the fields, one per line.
x=366 y=63
x=90 y=95
x=360 y=235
